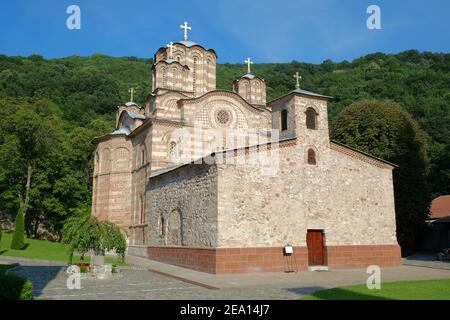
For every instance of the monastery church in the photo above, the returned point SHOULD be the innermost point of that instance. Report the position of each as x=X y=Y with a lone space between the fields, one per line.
x=331 y=204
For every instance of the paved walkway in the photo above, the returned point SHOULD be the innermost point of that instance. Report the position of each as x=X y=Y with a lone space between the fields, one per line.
x=49 y=281
x=426 y=260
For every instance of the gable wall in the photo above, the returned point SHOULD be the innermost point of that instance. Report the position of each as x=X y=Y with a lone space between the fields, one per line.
x=351 y=200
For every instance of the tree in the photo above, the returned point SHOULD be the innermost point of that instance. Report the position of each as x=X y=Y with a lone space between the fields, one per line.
x=32 y=129
x=18 y=239
x=383 y=129
x=85 y=233
x=440 y=172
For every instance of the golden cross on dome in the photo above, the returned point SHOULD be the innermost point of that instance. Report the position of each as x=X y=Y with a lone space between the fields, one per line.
x=132 y=92
x=298 y=78
x=186 y=27
x=248 y=62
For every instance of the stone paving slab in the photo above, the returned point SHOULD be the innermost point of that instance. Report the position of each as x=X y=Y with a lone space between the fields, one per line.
x=50 y=282
x=426 y=260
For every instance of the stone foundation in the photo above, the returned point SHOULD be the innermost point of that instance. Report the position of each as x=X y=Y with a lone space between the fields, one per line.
x=272 y=259
x=139 y=251
x=347 y=257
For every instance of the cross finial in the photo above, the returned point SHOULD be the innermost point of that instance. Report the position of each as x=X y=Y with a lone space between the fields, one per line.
x=298 y=78
x=186 y=27
x=248 y=62
x=170 y=46
x=132 y=92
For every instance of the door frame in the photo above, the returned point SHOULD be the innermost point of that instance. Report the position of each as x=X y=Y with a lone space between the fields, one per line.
x=324 y=250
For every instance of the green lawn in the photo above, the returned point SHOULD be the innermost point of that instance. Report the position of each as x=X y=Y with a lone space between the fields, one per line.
x=402 y=290
x=43 y=249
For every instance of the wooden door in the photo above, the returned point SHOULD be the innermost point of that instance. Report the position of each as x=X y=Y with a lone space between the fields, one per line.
x=314 y=242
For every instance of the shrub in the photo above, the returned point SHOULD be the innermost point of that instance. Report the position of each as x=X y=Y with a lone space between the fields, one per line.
x=86 y=233
x=18 y=239
x=0 y=238
x=14 y=287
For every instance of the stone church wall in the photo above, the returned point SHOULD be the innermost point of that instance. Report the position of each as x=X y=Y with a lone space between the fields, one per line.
x=181 y=207
x=351 y=200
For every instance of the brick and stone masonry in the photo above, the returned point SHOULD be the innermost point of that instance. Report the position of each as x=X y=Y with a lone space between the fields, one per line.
x=228 y=217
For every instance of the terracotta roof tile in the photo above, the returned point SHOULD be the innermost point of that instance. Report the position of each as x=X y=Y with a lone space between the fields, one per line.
x=440 y=207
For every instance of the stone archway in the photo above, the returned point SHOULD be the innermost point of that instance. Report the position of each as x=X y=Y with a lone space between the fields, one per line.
x=175 y=228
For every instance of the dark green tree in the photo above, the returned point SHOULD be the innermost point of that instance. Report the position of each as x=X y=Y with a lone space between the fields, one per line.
x=383 y=129
x=18 y=238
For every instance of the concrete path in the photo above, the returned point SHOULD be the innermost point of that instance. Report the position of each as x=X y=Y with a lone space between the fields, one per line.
x=179 y=283
x=426 y=260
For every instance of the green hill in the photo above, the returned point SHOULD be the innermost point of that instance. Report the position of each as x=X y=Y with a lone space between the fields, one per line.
x=89 y=88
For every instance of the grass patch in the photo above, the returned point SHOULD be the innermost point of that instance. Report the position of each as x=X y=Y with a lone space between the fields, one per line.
x=44 y=250
x=402 y=290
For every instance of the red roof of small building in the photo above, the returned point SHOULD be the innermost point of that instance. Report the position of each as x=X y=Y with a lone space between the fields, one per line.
x=440 y=207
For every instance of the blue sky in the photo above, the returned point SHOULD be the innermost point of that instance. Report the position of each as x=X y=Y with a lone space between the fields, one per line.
x=267 y=31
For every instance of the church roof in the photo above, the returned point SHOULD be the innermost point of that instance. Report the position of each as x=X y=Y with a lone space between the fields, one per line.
x=125 y=131
x=131 y=103
x=440 y=207
x=309 y=93
x=135 y=115
x=190 y=44
x=202 y=159
x=248 y=76
x=187 y=44
x=302 y=92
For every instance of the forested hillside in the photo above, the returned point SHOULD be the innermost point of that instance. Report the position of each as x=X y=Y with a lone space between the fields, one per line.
x=83 y=92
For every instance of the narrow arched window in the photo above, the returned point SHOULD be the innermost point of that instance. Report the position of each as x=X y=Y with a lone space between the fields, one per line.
x=172 y=150
x=194 y=77
x=311 y=118
x=162 y=227
x=164 y=80
x=284 y=120
x=142 y=207
x=311 y=157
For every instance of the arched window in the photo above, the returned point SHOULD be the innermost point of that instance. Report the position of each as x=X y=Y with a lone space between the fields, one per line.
x=172 y=150
x=194 y=77
x=142 y=207
x=175 y=78
x=164 y=77
x=284 y=120
x=105 y=163
x=257 y=92
x=162 y=226
x=142 y=157
x=311 y=157
x=175 y=228
x=311 y=118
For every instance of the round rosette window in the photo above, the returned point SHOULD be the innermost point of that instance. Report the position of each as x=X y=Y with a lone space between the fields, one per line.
x=223 y=117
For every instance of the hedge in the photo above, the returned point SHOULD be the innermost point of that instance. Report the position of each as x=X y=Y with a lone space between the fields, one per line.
x=18 y=239
x=14 y=287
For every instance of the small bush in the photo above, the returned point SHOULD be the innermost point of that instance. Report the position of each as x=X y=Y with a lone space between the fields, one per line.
x=86 y=233
x=14 y=287
x=18 y=239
